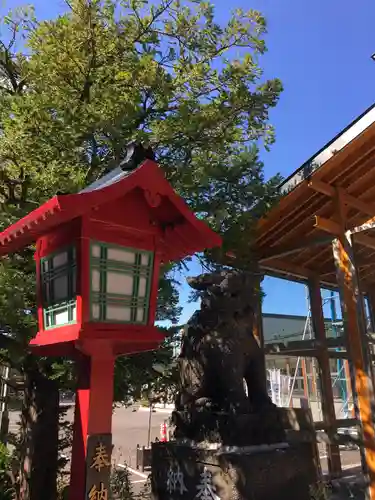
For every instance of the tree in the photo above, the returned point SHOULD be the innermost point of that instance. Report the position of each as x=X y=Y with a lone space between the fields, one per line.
x=73 y=92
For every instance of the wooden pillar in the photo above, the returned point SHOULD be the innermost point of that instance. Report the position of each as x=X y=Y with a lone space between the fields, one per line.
x=354 y=328
x=371 y=310
x=313 y=379
x=305 y=379
x=329 y=417
x=349 y=392
x=371 y=307
x=289 y=375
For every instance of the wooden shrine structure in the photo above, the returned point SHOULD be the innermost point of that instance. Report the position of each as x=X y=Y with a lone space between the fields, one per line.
x=322 y=233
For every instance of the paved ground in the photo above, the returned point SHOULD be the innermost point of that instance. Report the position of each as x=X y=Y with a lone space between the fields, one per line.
x=349 y=459
x=130 y=427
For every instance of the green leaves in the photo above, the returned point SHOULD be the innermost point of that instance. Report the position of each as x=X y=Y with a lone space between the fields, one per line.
x=76 y=89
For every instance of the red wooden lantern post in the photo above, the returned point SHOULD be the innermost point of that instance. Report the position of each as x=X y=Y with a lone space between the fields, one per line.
x=98 y=256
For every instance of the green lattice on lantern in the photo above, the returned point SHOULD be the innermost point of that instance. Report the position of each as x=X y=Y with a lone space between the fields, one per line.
x=58 y=275
x=120 y=283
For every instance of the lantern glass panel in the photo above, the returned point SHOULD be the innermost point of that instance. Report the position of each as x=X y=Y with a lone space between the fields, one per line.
x=95 y=250
x=58 y=280
x=120 y=283
x=60 y=259
x=121 y=255
x=118 y=313
x=95 y=311
x=140 y=314
x=142 y=287
x=95 y=280
x=60 y=287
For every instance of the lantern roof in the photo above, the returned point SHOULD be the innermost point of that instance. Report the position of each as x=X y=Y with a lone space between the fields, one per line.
x=149 y=177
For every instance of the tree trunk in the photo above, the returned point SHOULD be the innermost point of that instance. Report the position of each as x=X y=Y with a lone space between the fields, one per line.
x=39 y=437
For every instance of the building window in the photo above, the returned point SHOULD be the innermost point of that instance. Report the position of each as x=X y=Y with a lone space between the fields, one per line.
x=120 y=283
x=58 y=273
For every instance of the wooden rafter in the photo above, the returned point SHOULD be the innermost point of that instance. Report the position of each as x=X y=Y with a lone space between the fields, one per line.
x=324 y=188
x=278 y=251
x=306 y=345
x=327 y=225
x=364 y=240
x=321 y=187
x=332 y=227
x=354 y=157
x=369 y=224
x=286 y=267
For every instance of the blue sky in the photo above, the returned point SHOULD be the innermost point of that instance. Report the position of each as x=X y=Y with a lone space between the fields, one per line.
x=321 y=52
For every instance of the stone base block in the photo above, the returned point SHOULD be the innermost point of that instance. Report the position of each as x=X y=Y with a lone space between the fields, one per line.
x=282 y=471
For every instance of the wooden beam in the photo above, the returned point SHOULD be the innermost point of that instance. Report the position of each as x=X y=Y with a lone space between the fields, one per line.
x=354 y=156
x=300 y=353
x=285 y=267
x=360 y=205
x=369 y=224
x=312 y=344
x=329 y=416
x=327 y=225
x=365 y=207
x=364 y=240
x=343 y=422
x=278 y=251
x=279 y=268
x=293 y=345
x=306 y=348
x=335 y=342
x=321 y=187
x=338 y=354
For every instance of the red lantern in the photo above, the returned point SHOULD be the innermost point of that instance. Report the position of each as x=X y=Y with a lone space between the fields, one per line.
x=98 y=256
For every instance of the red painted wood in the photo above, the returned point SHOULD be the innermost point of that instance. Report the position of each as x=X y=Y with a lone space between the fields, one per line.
x=101 y=395
x=93 y=412
x=111 y=333
x=60 y=237
x=154 y=288
x=84 y=272
x=141 y=211
x=39 y=298
x=80 y=428
x=57 y=335
x=146 y=182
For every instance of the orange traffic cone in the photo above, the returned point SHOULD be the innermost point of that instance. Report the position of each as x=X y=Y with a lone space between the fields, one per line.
x=163 y=432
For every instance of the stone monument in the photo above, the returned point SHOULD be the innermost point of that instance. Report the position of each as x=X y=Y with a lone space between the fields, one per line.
x=230 y=441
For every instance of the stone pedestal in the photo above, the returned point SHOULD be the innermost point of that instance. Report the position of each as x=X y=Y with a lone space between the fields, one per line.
x=205 y=470
x=276 y=472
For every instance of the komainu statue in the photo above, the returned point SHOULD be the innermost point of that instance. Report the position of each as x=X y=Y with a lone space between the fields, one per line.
x=221 y=366
x=227 y=434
